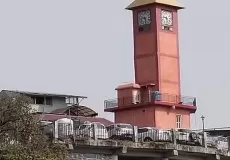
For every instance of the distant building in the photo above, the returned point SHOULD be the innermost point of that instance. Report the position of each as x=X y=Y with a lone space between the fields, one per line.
x=53 y=107
x=49 y=102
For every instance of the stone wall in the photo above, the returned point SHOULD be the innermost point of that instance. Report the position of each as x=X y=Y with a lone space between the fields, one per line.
x=77 y=156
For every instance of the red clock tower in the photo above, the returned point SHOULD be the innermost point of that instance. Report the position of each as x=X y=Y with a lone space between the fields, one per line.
x=155 y=98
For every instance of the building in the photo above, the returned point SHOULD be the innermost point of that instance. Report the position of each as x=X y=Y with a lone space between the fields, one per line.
x=52 y=107
x=47 y=102
x=156 y=93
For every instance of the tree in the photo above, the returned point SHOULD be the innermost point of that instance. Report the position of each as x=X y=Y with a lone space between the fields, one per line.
x=21 y=137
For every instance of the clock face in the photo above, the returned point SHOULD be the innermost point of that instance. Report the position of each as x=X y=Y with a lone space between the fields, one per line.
x=167 y=18
x=144 y=18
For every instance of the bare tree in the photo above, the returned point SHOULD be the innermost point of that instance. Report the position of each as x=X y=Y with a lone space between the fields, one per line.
x=21 y=137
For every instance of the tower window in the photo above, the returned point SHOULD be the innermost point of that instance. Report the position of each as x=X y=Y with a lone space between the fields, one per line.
x=167 y=20
x=144 y=20
x=178 y=121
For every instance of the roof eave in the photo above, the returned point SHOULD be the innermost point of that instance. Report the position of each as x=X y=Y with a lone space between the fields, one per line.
x=132 y=6
x=43 y=94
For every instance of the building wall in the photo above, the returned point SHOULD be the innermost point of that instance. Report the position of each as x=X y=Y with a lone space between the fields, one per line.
x=168 y=55
x=78 y=156
x=156 y=52
x=166 y=117
x=156 y=116
x=140 y=116
x=145 y=51
x=57 y=103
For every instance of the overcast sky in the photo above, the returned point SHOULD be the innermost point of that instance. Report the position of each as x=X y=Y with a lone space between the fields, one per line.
x=86 y=48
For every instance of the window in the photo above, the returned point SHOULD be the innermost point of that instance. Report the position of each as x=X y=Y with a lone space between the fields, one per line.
x=49 y=101
x=71 y=100
x=40 y=100
x=178 y=121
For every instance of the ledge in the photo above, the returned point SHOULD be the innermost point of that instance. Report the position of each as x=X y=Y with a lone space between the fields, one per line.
x=165 y=147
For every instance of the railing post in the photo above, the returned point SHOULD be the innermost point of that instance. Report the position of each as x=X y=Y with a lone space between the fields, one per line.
x=149 y=96
x=114 y=157
x=173 y=131
x=94 y=132
x=228 y=143
x=55 y=131
x=204 y=139
x=105 y=104
x=135 y=134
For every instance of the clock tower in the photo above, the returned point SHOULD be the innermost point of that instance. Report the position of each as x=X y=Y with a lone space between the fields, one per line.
x=155 y=98
x=156 y=47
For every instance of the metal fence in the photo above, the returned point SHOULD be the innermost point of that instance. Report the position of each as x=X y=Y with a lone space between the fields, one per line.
x=145 y=136
x=152 y=97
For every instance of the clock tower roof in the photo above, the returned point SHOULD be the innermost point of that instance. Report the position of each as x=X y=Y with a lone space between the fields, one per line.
x=138 y=3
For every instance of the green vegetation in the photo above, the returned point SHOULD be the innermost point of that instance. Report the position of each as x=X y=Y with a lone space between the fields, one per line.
x=21 y=137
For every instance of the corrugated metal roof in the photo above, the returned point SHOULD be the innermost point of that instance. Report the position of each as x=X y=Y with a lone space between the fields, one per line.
x=77 y=110
x=138 y=3
x=54 y=117
x=41 y=94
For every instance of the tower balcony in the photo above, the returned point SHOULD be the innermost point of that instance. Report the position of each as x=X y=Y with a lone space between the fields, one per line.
x=154 y=98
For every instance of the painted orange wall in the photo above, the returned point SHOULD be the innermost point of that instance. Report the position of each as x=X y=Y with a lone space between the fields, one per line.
x=166 y=118
x=156 y=116
x=156 y=53
x=168 y=53
x=142 y=117
x=145 y=54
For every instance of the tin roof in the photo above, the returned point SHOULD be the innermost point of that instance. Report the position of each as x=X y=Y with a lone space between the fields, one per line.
x=54 y=117
x=138 y=3
x=77 y=110
x=39 y=94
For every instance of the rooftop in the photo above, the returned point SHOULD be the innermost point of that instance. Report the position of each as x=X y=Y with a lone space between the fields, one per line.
x=138 y=3
x=77 y=111
x=40 y=94
x=54 y=117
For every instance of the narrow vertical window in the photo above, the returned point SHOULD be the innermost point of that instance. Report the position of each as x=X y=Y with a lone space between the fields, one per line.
x=179 y=121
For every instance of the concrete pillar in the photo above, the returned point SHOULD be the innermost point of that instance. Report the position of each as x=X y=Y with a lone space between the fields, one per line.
x=55 y=131
x=95 y=132
x=217 y=157
x=114 y=157
x=174 y=136
x=228 y=143
x=204 y=143
x=135 y=133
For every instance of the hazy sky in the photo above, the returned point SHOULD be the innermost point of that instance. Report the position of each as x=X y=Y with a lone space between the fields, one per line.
x=86 y=48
